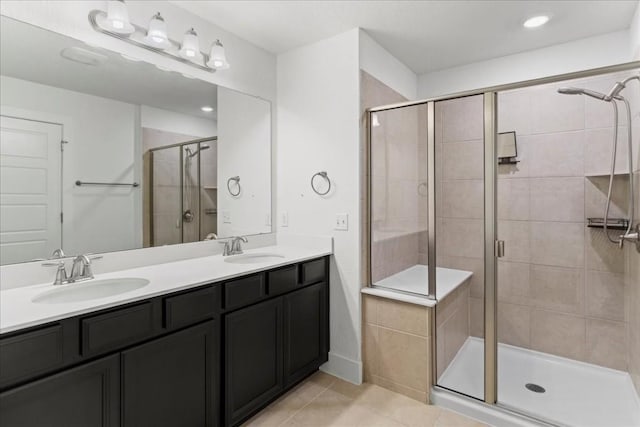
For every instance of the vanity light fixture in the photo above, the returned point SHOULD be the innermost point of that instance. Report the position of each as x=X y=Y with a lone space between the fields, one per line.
x=207 y=109
x=536 y=21
x=190 y=48
x=218 y=59
x=157 y=33
x=115 y=23
x=116 y=19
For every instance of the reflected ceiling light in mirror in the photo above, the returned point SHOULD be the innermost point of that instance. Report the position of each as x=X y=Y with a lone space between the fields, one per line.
x=190 y=48
x=536 y=21
x=207 y=109
x=157 y=33
x=375 y=122
x=218 y=59
x=83 y=56
x=117 y=18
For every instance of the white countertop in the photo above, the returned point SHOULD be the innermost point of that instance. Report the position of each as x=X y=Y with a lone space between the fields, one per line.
x=18 y=311
x=415 y=280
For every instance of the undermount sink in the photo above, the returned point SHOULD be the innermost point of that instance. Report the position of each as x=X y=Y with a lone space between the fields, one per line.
x=253 y=258
x=93 y=289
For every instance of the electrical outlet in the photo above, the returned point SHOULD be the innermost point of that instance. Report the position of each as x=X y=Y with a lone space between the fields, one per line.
x=226 y=217
x=284 y=219
x=342 y=221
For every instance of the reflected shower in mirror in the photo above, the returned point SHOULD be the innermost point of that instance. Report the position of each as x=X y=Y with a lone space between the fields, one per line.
x=101 y=152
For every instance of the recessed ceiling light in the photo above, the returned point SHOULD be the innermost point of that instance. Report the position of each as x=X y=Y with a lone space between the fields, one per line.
x=536 y=21
x=207 y=109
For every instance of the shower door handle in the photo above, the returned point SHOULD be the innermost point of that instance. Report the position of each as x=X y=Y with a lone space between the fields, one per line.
x=499 y=248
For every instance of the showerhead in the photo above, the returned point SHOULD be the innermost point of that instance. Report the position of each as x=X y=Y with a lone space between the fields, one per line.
x=582 y=91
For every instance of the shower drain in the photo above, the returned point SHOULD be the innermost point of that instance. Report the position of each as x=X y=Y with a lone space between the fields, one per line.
x=535 y=388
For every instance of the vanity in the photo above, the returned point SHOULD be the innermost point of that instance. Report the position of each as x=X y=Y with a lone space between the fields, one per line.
x=192 y=354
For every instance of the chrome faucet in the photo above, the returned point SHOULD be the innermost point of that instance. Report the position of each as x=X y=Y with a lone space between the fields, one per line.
x=233 y=246
x=80 y=270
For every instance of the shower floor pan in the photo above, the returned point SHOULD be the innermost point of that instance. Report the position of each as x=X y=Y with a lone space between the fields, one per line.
x=575 y=393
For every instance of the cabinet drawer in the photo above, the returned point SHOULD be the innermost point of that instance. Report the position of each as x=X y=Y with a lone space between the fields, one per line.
x=313 y=271
x=116 y=329
x=245 y=291
x=26 y=355
x=282 y=280
x=191 y=307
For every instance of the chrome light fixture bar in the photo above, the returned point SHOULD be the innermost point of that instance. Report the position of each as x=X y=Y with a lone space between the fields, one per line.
x=155 y=39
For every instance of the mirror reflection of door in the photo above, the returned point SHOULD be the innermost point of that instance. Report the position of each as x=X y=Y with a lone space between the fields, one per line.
x=30 y=206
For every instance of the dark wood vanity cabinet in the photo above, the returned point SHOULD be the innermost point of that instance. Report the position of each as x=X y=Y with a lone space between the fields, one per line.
x=209 y=356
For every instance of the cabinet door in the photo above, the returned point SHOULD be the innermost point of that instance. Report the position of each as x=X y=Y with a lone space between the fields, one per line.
x=171 y=381
x=253 y=359
x=85 y=396
x=306 y=331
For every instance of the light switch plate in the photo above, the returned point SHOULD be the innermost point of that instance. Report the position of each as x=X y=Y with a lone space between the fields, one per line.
x=342 y=221
x=226 y=217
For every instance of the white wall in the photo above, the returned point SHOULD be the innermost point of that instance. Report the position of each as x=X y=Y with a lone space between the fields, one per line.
x=244 y=150
x=101 y=134
x=634 y=35
x=318 y=130
x=377 y=61
x=583 y=54
x=170 y=121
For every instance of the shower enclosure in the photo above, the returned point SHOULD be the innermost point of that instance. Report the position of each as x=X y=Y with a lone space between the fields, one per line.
x=547 y=325
x=183 y=192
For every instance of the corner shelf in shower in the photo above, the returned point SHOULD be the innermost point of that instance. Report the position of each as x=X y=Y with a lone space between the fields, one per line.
x=208 y=187
x=612 y=223
x=604 y=174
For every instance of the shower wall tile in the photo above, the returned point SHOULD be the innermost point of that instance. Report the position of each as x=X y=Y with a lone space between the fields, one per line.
x=462 y=119
x=605 y=295
x=557 y=199
x=452 y=324
x=463 y=160
x=606 y=343
x=601 y=254
x=598 y=150
x=632 y=282
x=559 y=334
x=557 y=243
x=558 y=288
x=514 y=324
x=474 y=265
x=514 y=282
x=551 y=112
x=476 y=317
x=514 y=199
x=520 y=169
x=517 y=237
x=556 y=154
x=514 y=109
x=599 y=114
x=461 y=237
x=463 y=199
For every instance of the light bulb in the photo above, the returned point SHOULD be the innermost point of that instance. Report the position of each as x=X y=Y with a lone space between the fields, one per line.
x=536 y=21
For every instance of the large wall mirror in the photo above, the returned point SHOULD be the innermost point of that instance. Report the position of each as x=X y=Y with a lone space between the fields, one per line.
x=100 y=152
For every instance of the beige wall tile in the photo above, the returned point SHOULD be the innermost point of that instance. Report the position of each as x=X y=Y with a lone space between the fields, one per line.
x=514 y=324
x=605 y=295
x=606 y=343
x=597 y=151
x=463 y=160
x=559 y=334
x=403 y=358
x=369 y=309
x=558 y=288
x=513 y=282
x=514 y=112
x=420 y=396
x=520 y=169
x=461 y=237
x=513 y=199
x=596 y=197
x=462 y=119
x=476 y=317
x=601 y=254
x=463 y=199
x=517 y=238
x=475 y=265
x=557 y=199
x=403 y=317
x=557 y=243
x=456 y=331
x=554 y=112
x=555 y=154
x=370 y=350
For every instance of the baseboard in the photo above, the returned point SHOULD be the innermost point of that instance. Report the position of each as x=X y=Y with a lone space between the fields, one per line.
x=344 y=368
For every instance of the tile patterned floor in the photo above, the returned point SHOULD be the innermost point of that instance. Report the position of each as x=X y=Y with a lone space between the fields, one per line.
x=323 y=400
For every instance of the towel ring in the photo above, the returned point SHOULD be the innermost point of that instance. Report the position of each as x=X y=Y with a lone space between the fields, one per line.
x=237 y=181
x=326 y=177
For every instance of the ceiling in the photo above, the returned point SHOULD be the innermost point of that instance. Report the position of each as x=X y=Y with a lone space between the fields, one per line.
x=424 y=35
x=31 y=53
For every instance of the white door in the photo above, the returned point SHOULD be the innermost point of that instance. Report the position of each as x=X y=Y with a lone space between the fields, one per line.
x=30 y=178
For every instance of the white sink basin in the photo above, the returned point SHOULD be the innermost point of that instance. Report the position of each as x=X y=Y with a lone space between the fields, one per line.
x=93 y=289
x=253 y=258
